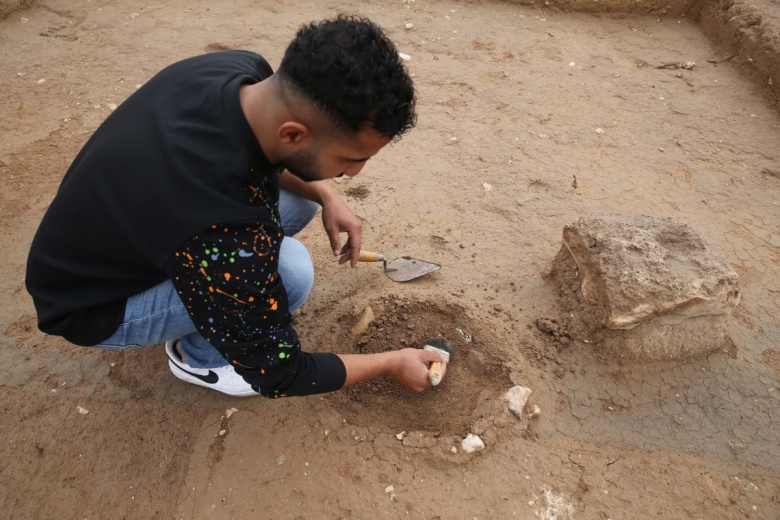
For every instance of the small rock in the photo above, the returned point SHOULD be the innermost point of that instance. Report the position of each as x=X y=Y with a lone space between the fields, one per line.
x=409 y=26
x=365 y=319
x=472 y=443
x=454 y=449
x=82 y=411
x=517 y=397
x=404 y=57
x=487 y=186
x=229 y=412
x=463 y=333
x=600 y=131
x=536 y=411
x=389 y=489
x=400 y=436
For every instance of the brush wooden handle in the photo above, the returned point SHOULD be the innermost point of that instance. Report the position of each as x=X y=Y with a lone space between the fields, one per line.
x=370 y=256
x=434 y=373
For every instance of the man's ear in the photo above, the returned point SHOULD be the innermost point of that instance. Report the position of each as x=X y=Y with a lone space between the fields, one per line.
x=293 y=133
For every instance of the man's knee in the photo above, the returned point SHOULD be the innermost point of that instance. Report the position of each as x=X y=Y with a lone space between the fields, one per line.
x=297 y=271
x=296 y=212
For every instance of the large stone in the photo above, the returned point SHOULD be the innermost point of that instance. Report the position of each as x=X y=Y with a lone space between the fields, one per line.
x=644 y=287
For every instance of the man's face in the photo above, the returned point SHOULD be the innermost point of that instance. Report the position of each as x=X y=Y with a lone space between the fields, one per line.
x=329 y=157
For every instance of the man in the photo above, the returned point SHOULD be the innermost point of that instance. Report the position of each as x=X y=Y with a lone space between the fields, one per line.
x=170 y=224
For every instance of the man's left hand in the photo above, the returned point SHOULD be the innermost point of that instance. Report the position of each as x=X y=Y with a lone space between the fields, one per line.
x=337 y=218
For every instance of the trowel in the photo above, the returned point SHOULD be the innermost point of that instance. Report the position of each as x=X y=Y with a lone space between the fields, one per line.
x=401 y=269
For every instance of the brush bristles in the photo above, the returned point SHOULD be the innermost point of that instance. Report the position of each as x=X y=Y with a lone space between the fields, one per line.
x=443 y=353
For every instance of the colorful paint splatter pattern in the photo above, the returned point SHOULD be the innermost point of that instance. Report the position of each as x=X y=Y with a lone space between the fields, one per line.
x=227 y=277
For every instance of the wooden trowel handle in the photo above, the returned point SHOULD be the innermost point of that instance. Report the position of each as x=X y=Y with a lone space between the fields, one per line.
x=370 y=256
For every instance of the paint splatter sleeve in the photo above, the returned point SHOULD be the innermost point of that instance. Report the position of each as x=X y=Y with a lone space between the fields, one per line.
x=227 y=277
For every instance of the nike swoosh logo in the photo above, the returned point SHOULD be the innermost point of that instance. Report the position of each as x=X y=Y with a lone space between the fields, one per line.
x=209 y=378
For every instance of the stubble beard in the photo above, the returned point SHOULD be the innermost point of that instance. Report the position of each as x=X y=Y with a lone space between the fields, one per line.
x=303 y=164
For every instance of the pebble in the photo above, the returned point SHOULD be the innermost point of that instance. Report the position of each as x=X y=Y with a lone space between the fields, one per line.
x=472 y=443
x=82 y=411
x=365 y=319
x=517 y=397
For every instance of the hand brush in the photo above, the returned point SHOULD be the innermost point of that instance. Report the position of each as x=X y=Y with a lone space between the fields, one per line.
x=441 y=347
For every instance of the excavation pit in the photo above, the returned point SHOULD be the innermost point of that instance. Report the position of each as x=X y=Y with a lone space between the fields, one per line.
x=475 y=374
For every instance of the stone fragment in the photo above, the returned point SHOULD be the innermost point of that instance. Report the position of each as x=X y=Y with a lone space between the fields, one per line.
x=475 y=362
x=365 y=320
x=517 y=397
x=643 y=286
x=472 y=443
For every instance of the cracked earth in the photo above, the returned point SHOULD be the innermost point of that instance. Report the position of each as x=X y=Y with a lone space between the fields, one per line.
x=528 y=118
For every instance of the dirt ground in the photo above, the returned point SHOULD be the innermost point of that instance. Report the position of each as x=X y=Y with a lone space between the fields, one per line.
x=528 y=118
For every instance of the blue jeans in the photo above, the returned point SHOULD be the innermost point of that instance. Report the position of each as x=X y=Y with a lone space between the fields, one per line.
x=158 y=315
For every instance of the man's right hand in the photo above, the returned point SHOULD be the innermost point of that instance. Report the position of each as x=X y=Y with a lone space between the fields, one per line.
x=408 y=366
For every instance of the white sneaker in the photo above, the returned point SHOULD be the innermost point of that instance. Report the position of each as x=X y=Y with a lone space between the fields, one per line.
x=222 y=379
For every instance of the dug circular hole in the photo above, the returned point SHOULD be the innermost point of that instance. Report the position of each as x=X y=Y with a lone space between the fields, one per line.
x=475 y=371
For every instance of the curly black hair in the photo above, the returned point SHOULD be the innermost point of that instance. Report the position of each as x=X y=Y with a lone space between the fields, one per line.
x=349 y=68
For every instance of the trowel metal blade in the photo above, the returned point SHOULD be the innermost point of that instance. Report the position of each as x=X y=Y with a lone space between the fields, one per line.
x=407 y=268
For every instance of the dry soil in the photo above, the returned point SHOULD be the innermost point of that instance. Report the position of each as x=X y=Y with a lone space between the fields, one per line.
x=528 y=118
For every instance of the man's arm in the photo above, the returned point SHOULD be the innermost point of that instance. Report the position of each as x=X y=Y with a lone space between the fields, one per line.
x=235 y=298
x=336 y=216
x=227 y=277
x=407 y=366
x=319 y=191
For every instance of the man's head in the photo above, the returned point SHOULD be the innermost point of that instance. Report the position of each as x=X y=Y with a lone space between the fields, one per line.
x=349 y=69
x=345 y=83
